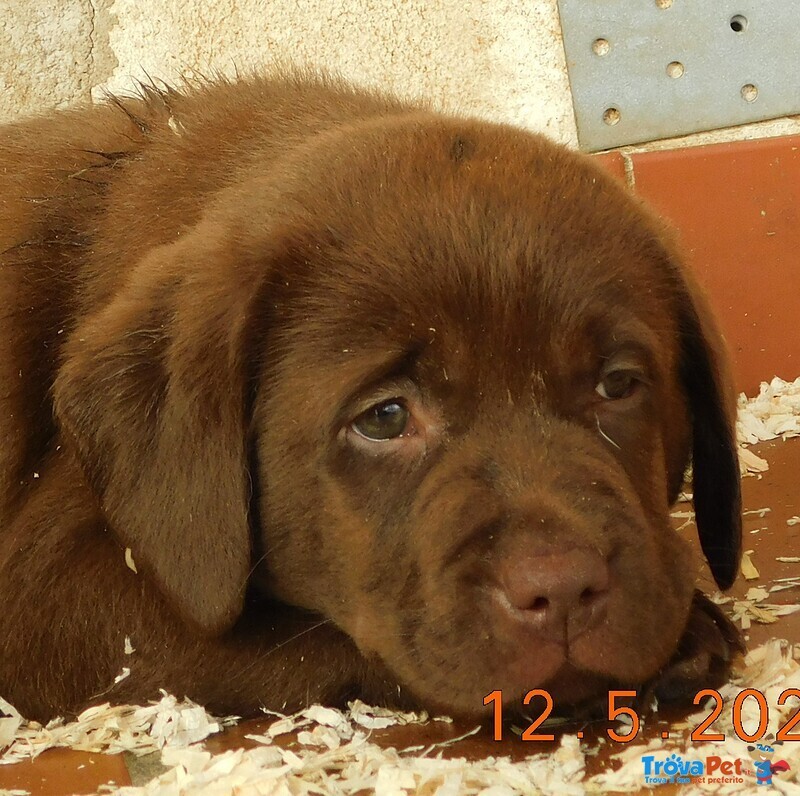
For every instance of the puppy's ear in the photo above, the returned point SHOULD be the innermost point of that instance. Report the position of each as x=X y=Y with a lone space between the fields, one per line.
x=705 y=371
x=153 y=392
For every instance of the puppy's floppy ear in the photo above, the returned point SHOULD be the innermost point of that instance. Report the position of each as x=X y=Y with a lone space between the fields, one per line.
x=705 y=371
x=153 y=391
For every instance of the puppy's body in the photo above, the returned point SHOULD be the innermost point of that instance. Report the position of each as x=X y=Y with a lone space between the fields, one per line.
x=204 y=296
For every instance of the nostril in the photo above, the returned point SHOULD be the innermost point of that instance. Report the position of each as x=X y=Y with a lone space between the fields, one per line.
x=589 y=597
x=539 y=604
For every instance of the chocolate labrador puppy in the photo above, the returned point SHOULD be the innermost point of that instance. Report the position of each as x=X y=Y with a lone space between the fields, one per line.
x=308 y=393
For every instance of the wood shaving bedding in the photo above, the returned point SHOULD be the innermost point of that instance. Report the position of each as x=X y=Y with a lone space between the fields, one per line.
x=102 y=728
x=335 y=754
x=773 y=413
x=755 y=608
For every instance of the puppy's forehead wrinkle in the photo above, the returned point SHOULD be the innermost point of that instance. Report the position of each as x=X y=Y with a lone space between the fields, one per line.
x=470 y=356
x=393 y=366
x=477 y=315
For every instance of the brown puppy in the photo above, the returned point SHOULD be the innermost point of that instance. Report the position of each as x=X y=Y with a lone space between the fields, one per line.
x=381 y=401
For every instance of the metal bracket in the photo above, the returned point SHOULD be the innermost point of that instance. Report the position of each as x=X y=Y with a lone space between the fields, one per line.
x=647 y=69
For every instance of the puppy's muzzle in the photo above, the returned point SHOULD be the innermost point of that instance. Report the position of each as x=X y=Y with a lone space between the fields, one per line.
x=555 y=596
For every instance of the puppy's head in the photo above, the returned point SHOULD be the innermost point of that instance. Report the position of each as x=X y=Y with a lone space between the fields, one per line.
x=438 y=381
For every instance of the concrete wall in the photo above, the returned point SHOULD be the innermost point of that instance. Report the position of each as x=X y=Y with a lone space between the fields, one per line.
x=502 y=59
x=499 y=58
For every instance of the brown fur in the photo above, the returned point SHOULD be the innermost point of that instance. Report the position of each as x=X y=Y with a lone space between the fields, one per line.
x=200 y=292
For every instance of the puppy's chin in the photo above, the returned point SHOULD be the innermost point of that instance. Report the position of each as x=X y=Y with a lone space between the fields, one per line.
x=572 y=689
x=574 y=692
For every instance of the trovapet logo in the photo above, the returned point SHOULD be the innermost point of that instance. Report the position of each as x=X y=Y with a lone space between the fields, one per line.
x=676 y=769
x=714 y=770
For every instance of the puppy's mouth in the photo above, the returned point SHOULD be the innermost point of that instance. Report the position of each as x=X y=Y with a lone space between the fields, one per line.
x=573 y=685
x=544 y=661
x=571 y=689
x=457 y=685
x=452 y=667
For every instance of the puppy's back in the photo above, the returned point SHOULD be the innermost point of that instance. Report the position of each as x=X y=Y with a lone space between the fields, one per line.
x=51 y=196
x=85 y=193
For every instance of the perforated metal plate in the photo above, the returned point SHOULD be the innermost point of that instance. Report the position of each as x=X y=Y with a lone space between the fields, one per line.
x=647 y=69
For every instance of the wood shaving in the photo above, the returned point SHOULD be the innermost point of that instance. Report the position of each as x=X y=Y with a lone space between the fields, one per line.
x=373 y=718
x=10 y=723
x=353 y=764
x=686 y=516
x=124 y=674
x=793 y=584
x=753 y=607
x=793 y=521
x=757 y=593
x=749 y=571
x=176 y=126
x=359 y=765
x=749 y=463
x=129 y=561
x=761 y=513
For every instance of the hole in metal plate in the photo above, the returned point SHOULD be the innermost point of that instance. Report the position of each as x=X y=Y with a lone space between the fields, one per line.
x=601 y=47
x=675 y=69
x=738 y=23
x=749 y=92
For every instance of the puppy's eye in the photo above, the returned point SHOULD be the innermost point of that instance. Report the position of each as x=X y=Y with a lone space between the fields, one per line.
x=383 y=421
x=616 y=384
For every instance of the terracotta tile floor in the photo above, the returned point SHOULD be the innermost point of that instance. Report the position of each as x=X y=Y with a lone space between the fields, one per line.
x=62 y=772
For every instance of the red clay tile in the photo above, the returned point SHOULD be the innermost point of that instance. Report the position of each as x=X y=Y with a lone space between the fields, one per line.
x=60 y=771
x=613 y=162
x=737 y=207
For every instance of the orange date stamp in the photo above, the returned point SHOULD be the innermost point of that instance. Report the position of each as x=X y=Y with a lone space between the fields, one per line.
x=702 y=733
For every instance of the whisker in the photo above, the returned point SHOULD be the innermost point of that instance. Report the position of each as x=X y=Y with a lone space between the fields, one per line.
x=604 y=435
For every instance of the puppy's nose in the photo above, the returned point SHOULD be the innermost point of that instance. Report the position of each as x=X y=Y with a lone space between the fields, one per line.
x=557 y=594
